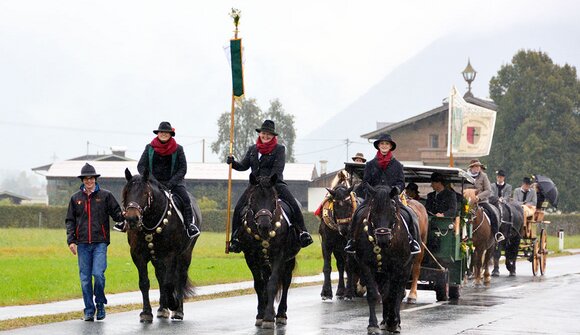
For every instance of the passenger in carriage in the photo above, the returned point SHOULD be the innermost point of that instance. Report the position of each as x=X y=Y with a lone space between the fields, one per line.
x=412 y=191
x=442 y=201
x=385 y=169
x=266 y=158
x=500 y=188
x=527 y=197
x=483 y=191
x=166 y=162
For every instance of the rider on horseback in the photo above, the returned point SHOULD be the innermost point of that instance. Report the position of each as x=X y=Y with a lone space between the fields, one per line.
x=165 y=160
x=266 y=158
x=385 y=169
x=483 y=191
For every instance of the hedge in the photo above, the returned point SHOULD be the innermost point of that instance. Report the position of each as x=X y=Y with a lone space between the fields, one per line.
x=27 y=216
x=30 y=216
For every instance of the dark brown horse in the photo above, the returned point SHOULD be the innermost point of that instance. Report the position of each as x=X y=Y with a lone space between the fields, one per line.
x=156 y=234
x=512 y=220
x=337 y=211
x=383 y=254
x=270 y=247
x=482 y=238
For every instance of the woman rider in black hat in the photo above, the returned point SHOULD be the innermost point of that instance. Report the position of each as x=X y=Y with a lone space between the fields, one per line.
x=384 y=169
x=165 y=160
x=266 y=158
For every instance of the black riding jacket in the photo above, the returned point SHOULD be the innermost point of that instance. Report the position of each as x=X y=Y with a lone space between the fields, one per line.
x=161 y=167
x=265 y=166
x=87 y=218
x=392 y=176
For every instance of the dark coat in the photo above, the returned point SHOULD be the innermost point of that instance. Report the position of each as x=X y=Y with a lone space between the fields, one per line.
x=162 y=167
x=87 y=218
x=265 y=166
x=392 y=176
x=445 y=202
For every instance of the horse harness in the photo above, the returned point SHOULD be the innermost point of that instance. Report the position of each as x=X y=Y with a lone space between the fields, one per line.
x=328 y=212
x=377 y=250
x=158 y=228
x=250 y=217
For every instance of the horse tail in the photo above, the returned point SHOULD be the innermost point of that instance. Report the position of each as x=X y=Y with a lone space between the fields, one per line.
x=285 y=278
x=188 y=289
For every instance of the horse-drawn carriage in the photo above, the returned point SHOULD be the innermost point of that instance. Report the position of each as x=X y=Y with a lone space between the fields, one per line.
x=447 y=252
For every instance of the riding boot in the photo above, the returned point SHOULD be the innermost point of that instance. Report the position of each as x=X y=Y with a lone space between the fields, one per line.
x=235 y=245
x=414 y=232
x=190 y=227
x=350 y=246
x=120 y=227
x=304 y=235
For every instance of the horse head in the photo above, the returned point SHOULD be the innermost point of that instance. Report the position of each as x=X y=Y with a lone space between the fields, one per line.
x=382 y=215
x=263 y=208
x=344 y=205
x=138 y=195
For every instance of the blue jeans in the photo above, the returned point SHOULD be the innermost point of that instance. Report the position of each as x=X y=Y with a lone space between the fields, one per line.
x=92 y=263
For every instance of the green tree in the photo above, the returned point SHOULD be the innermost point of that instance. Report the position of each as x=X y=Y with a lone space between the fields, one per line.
x=537 y=129
x=248 y=116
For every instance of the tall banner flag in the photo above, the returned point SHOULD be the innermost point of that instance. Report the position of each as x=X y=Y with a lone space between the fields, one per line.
x=237 y=67
x=470 y=128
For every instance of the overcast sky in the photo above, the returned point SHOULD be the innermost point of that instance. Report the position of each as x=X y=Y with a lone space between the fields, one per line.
x=82 y=76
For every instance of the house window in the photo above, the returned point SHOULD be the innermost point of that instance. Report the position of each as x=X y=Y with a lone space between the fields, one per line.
x=434 y=141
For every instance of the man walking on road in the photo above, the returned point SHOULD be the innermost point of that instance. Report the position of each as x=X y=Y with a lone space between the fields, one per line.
x=87 y=230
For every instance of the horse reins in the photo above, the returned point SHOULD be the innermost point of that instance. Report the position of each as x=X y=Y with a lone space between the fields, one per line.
x=333 y=223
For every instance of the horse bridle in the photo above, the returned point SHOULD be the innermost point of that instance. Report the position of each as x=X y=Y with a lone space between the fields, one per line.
x=332 y=222
x=143 y=210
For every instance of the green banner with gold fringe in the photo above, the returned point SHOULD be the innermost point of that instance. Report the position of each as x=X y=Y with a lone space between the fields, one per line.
x=237 y=67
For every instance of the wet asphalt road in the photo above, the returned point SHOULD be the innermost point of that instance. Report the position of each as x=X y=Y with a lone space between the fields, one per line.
x=511 y=305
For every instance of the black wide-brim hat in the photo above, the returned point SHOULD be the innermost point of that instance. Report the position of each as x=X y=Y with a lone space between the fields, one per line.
x=385 y=137
x=88 y=171
x=165 y=127
x=269 y=127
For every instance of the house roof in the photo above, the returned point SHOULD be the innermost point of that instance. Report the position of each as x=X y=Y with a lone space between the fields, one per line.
x=195 y=171
x=13 y=195
x=86 y=158
x=396 y=125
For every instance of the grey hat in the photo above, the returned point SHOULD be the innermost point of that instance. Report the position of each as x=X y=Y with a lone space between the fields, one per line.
x=88 y=171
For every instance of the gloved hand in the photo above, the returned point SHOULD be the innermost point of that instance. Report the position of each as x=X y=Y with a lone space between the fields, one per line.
x=230 y=160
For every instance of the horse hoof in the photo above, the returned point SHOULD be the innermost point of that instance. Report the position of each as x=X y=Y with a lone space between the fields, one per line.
x=268 y=325
x=163 y=313
x=146 y=317
x=411 y=301
x=281 y=321
x=258 y=322
x=325 y=297
x=340 y=297
x=177 y=316
x=373 y=330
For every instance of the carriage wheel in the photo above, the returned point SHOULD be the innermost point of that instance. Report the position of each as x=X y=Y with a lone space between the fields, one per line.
x=535 y=260
x=543 y=251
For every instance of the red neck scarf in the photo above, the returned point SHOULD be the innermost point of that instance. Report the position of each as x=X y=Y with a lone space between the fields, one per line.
x=164 y=149
x=266 y=148
x=384 y=160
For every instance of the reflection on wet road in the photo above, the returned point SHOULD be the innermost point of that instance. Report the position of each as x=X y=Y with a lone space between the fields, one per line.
x=511 y=305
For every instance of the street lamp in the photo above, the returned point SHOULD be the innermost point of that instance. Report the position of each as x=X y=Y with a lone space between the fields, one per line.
x=469 y=76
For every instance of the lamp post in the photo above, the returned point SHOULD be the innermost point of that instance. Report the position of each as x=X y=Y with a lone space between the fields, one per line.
x=469 y=76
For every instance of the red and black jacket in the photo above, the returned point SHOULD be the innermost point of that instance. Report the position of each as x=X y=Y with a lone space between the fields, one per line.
x=87 y=218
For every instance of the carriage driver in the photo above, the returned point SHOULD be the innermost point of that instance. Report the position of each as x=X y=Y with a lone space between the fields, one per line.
x=165 y=160
x=266 y=158
x=500 y=188
x=385 y=169
x=87 y=230
x=483 y=192
x=527 y=197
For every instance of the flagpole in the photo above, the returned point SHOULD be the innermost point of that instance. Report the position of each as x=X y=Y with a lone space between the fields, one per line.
x=235 y=15
x=451 y=163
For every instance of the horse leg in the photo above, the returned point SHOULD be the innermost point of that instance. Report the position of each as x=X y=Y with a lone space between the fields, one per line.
x=496 y=256
x=271 y=291
x=415 y=272
x=477 y=259
x=144 y=284
x=392 y=298
x=339 y=255
x=372 y=298
x=159 y=274
x=182 y=289
x=281 y=317
x=326 y=270
x=486 y=274
x=259 y=287
x=350 y=280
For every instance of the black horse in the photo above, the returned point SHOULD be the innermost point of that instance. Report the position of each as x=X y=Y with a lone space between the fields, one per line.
x=383 y=255
x=270 y=246
x=512 y=219
x=156 y=234
x=337 y=211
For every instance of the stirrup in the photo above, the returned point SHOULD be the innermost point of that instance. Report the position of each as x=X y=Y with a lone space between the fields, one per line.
x=349 y=248
x=120 y=227
x=192 y=231
x=499 y=237
x=415 y=247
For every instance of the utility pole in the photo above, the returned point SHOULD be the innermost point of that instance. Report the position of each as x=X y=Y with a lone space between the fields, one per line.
x=347 y=144
x=203 y=150
x=87 y=148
